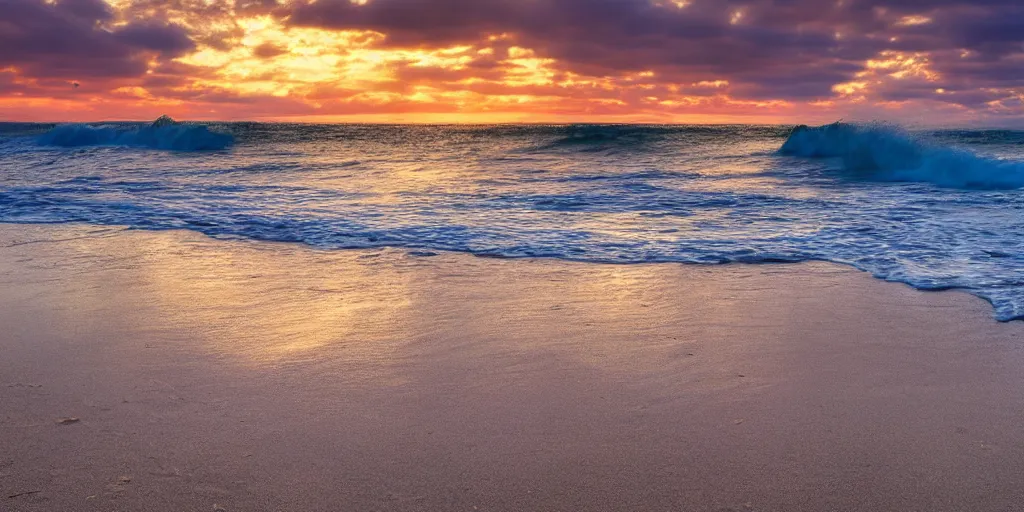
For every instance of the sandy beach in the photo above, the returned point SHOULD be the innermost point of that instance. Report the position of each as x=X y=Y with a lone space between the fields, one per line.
x=167 y=371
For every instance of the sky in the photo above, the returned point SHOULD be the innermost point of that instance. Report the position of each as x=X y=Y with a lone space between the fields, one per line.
x=916 y=62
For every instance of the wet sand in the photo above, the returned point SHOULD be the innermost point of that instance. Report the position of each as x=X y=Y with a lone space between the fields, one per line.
x=242 y=376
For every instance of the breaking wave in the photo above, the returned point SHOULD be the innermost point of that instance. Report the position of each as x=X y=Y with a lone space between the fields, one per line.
x=886 y=153
x=164 y=133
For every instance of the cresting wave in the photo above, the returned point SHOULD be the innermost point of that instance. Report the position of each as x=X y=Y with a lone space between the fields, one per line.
x=164 y=133
x=887 y=153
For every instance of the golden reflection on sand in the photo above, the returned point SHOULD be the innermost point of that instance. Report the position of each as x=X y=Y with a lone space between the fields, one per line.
x=275 y=303
x=383 y=315
x=266 y=303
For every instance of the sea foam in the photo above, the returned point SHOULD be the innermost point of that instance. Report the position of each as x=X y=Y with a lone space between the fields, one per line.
x=164 y=133
x=886 y=153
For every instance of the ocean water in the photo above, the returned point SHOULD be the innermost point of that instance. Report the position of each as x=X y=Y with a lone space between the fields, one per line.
x=935 y=210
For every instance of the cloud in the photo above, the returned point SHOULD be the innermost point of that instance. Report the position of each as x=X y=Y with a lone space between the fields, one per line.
x=67 y=39
x=269 y=50
x=652 y=59
x=164 y=38
x=785 y=49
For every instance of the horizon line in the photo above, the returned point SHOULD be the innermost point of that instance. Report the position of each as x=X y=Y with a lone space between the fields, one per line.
x=523 y=123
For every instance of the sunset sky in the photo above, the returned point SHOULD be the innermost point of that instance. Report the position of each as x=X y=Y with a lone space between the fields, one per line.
x=914 y=61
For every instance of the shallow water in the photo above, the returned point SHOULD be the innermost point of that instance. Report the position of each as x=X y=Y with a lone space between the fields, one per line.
x=948 y=213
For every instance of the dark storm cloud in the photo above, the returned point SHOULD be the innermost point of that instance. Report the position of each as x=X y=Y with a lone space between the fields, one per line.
x=790 y=49
x=68 y=39
x=165 y=39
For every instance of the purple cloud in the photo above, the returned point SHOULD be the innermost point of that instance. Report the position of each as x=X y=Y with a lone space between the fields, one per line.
x=67 y=39
x=166 y=39
x=789 y=49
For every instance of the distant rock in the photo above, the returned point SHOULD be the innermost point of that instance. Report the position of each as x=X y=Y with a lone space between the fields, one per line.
x=162 y=121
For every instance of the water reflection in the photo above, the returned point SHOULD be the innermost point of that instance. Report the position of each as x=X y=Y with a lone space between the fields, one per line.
x=261 y=303
x=386 y=317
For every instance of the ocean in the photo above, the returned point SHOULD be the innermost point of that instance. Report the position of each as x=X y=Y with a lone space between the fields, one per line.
x=933 y=209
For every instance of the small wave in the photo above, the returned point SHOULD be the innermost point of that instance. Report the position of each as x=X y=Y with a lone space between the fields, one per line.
x=887 y=153
x=164 y=133
x=594 y=137
x=590 y=134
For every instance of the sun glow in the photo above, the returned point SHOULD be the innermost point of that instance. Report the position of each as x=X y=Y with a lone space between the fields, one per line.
x=886 y=68
x=351 y=71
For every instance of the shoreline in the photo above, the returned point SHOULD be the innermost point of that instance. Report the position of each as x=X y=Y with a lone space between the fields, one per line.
x=251 y=376
x=427 y=252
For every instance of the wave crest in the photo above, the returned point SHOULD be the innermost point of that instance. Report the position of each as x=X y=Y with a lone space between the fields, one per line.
x=596 y=137
x=164 y=133
x=887 y=153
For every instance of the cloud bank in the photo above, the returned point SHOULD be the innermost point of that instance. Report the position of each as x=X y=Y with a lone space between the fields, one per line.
x=922 y=61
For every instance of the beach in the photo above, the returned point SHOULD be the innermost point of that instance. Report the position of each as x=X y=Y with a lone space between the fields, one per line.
x=169 y=371
x=511 y=256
